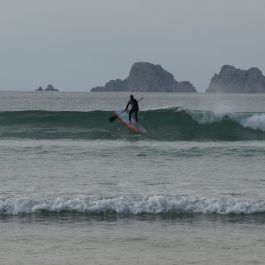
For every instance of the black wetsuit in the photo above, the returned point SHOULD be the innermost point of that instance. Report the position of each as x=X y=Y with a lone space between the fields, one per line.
x=134 y=109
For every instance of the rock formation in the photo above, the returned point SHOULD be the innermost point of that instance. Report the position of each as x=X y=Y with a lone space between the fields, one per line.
x=51 y=88
x=48 y=88
x=147 y=77
x=39 y=89
x=233 y=80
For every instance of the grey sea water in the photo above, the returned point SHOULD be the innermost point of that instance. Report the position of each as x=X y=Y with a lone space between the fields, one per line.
x=115 y=198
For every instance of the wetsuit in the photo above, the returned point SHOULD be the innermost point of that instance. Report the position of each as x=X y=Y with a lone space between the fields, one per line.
x=134 y=109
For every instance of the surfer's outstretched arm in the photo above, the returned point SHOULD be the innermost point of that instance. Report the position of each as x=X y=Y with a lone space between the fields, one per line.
x=127 y=105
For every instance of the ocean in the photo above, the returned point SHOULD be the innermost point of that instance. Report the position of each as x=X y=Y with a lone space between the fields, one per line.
x=77 y=189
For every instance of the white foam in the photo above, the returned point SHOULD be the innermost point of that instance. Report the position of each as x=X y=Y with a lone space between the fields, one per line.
x=256 y=121
x=129 y=205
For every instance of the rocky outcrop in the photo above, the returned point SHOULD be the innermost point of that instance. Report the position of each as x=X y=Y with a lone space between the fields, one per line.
x=48 y=88
x=112 y=85
x=233 y=80
x=147 y=77
x=51 y=88
x=39 y=89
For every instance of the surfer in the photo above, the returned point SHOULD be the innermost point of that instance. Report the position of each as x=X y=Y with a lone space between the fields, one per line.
x=134 y=109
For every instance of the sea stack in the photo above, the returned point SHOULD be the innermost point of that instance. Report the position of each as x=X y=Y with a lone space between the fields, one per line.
x=147 y=77
x=51 y=88
x=48 y=88
x=39 y=89
x=233 y=80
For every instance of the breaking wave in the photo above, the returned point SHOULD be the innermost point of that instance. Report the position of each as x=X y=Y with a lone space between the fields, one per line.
x=162 y=124
x=129 y=205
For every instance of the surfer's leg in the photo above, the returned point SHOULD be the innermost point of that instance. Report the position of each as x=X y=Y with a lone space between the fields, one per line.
x=130 y=115
x=136 y=115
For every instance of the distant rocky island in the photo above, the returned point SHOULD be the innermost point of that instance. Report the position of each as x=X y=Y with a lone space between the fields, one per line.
x=233 y=80
x=147 y=77
x=48 y=88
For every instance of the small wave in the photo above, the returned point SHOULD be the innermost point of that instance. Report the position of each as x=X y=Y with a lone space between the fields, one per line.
x=128 y=205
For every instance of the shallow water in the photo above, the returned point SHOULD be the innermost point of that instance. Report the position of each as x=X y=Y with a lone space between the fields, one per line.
x=142 y=240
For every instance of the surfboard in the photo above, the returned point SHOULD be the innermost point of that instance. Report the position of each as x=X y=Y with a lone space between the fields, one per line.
x=134 y=126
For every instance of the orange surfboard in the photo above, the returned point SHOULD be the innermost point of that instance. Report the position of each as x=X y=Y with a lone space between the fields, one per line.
x=133 y=125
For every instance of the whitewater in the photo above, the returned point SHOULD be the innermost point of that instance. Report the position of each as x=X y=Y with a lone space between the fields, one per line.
x=77 y=189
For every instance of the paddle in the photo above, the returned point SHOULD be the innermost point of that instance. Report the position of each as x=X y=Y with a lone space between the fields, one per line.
x=113 y=118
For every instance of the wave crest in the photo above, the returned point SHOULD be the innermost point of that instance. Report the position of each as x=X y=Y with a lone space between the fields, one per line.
x=128 y=205
x=170 y=124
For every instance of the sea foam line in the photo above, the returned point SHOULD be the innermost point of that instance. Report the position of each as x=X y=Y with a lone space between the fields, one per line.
x=254 y=121
x=128 y=205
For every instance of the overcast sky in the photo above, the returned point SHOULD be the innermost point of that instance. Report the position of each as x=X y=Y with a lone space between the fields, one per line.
x=78 y=44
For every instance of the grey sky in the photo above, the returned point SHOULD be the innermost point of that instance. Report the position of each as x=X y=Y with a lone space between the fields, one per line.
x=78 y=44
